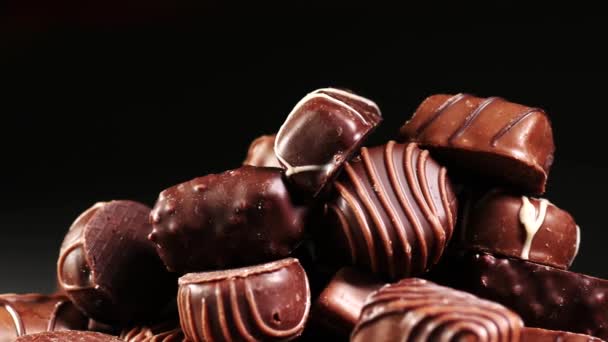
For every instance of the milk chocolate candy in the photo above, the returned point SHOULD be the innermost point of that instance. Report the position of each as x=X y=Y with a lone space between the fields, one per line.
x=261 y=152
x=339 y=305
x=393 y=213
x=157 y=333
x=544 y=296
x=267 y=302
x=491 y=137
x=68 y=336
x=322 y=131
x=542 y=335
x=521 y=227
x=417 y=310
x=22 y=314
x=109 y=269
x=236 y=218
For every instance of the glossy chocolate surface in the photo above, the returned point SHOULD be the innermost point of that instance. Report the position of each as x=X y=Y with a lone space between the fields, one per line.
x=521 y=227
x=418 y=310
x=322 y=131
x=22 y=314
x=490 y=137
x=236 y=218
x=68 y=336
x=267 y=302
x=261 y=152
x=109 y=269
x=393 y=213
x=542 y=335
x=158 y=333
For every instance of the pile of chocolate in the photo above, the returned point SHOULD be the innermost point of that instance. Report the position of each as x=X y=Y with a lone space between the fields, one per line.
x=318 y=237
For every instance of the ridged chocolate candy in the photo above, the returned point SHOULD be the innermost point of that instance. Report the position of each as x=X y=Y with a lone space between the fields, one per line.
x=159 y=333
x=542 y=335
x=261 y=152
x=109 y=269
x=68 y=336
x=491 y=137
x=417 y=310
x=236 y=218
x=322 y=131
x=267 y=302
x=394 y=211
x=22 y=314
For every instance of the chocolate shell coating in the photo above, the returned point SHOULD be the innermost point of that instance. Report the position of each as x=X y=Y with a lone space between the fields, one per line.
x=393 y=213
x=417 y=310
x=490 y=137
x=22 y=314
x=521 y=227
x=542 y=335
x=68 y=336
x=236 y=218
x=261 y=152
x=267 y=302
x=322 y=131
x=109 y=269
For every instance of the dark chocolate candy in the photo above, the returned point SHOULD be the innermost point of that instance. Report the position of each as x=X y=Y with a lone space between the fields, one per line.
x=267 y=302
x=236 y=218
x=542 y=335
x=417 y=310
x=109 y=269
x=339 y=305
x=521 y=227
x=322 y=131
x=489 y=137
x=261 y=152
x=157 y=333
x=394 y=211
x=68 y=336
x=22 y=314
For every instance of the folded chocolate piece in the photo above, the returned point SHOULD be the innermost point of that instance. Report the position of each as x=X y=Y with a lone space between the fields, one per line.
x=521 y=227
x=491 y=137
x=22 y=314
x=339 y=305
x=542 y=335
x=261 y=152
x=418 y=310
x=109 y=269
x=544 y=296
x=236 y=218
x=68 y=336
x=322 y=131
x=393 y=212
x=267 y=302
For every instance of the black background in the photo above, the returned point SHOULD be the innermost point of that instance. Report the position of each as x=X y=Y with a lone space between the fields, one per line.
x=123 y=99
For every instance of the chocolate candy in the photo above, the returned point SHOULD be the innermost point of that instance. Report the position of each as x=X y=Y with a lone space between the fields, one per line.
x=235 y=218
x=417 y=310
x=544 y=296
x=394 y=211
x=68 y=336
x=32 y=313
x=267 y=302
x=521 y=227
x=339 y=305
x=490 y=137
x=542 y=335
x=159 y=333
x=261 y=152
x=322 y=131
x=109 y=269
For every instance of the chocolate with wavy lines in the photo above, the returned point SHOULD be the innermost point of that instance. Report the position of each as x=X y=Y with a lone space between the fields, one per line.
x=393 y=212
x=267 y=302
x=261 y=152
x=491 y=137
x=418 y=310
x=157 y=333
x=22 y=314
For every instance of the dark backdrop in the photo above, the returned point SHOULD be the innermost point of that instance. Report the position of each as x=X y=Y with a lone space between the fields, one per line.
x=102 y=100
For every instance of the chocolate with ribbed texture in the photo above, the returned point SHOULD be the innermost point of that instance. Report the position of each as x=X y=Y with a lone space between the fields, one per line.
x=261 y=152
x=157 y=333
x=68 y=336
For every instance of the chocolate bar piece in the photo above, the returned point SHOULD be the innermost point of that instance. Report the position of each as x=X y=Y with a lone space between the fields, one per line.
x=22 y=314
x=521 y=227
x=68 y=336
x=322 y=131
x=267 y=302
x=236 y=218
x=393 y=213
x=418 y=310
x=106 y=264
x=492 y=137
x=339 y=305
x=542 y=335
x=261 y=152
